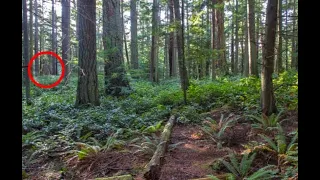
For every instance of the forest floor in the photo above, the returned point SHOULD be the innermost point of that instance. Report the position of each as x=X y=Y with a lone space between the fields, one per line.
x=60 y=141
x=193 y=155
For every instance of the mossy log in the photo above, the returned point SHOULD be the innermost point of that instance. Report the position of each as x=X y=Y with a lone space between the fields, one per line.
x=152 y=169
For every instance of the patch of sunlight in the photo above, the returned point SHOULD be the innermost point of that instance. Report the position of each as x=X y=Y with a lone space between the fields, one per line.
x=195 y=148
x=196 y=135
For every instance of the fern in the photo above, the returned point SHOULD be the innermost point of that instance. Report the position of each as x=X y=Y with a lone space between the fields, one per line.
x=147 y=146
x=287 y=152
x=265 y=173
x=216 y=130
x=240 y=170
x=264 y=122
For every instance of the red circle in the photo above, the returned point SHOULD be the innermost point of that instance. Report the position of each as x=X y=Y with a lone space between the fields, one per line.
x=43 y=85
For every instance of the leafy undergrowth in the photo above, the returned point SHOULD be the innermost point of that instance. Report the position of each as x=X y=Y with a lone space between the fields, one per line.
x=54 y=128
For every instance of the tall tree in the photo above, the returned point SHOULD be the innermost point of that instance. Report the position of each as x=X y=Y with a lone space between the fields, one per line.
x=65 y=34
x=267 y=94
x=26 y=50
x=124 y=35
x=279 y=67
x=53 y=42
x=31 y=27
x=182 y=68
x=246 y=55
x=115 y=76
x=236 y=53
x=213 y=40
x=87 y=90
x=36 y=38
x=232 y=42
x=154 y=77
x=293 y=43
x=287 y=38
x=134 y=44
x=221 y=40
x=253 y=68
x=172 y=48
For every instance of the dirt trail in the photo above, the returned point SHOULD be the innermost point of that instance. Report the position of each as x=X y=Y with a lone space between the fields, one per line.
x=192 y=158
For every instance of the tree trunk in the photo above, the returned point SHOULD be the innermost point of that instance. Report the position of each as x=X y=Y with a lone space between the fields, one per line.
x=125 y=37
x=134 y=44
x=31 y=29
x=293 y=45
x=242 y=48
x=208 y=41
x=66 y=35
x=182 y=68
x=267 y=96
x=53 y=59
x=221 y=40
x=87 y=90
x=115 y=76
x=257 y=42
x=154 y=45
x=172 y=43
x=188 y=60
x=279 y=67
x=287 y=39
x=246 y=56
x=213 y=40
x=36 y=39
x=236 y=62
x=26 y=51
x=232 y=43
x=253 y=70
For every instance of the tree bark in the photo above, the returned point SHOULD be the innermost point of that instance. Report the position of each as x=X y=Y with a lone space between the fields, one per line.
x=213 y=41
x=125 y=37
x=279 y=67
x=154 y=45
x=115 y=76
x=236 y=62
x=221 y=39
x=246 y=56
x=134 y=44
x=153 y=168
x=182 y=68
x=267 y=96
x=172 y=47
x=293 y=45
x=66 y=35
x=26 y=51
x=253 y=69
x=31 y=29
x=87 y=90
x=232 y=43
x=287 y=39
x=53 y=43
x=36 y=39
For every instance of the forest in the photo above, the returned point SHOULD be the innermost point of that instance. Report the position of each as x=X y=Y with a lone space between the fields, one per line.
x=159 y=89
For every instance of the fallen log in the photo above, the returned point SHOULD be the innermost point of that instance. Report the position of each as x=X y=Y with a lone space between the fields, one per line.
x=153 y=168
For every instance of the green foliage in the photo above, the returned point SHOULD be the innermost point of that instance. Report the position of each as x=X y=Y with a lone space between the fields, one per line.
x=241 y=169
x=216 y=130
x=188 y=114
x=264 y=122
x=86 y=149
x=147 y=146
x=287 y=152
x=153 y=128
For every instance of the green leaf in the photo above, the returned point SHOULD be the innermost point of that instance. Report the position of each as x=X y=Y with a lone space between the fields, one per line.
x=230 y=167
x=269 y=141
